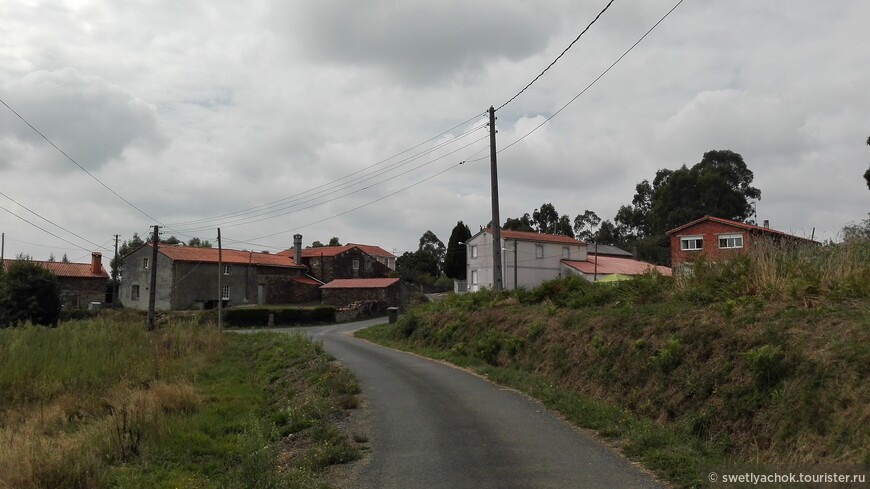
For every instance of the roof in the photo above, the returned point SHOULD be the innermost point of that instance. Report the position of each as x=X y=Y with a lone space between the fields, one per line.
x=307 y=281
x=536 y=237
x=229 y=257
x=72 y=270
x=737 y=224
x=611 y=264
x=361 y=283
x=603 y=249
x=337 y=250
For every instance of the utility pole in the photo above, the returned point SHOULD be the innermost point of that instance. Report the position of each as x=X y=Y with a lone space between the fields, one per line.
x=515 y=265
x=220 y=304
x=115 y=274
x=152 y=292
x=496 y=229
x=2 y=249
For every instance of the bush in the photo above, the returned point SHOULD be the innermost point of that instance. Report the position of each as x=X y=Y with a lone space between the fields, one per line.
x=28 y=293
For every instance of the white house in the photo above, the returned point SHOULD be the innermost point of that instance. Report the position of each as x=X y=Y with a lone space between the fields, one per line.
x=527 y=258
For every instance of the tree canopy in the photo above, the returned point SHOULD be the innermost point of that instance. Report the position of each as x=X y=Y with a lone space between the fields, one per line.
x=454 y=260
x=28 y=293
x=423 y=265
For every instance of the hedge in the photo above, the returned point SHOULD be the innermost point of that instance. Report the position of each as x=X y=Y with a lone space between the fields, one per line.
x=259 y=316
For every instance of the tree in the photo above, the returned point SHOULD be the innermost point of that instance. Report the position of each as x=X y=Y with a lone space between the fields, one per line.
x=51 y=258
x=28 y=293
x=429 y=243
x=334 y=242
x=125 y=249
x=199 y=243
x=585 y=225
x=171 y=241
x=317 y=244
x=519 y=224
x=423 y=265
x=546 y=219
x=454 y=261
x=857 y=232
x=64 y=259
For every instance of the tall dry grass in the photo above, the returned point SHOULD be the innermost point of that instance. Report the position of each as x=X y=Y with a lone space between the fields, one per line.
x=87 y=394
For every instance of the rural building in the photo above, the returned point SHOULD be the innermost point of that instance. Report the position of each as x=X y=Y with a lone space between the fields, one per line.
x=715 y=238
x=80 y=283
x=528 y=259
x=187 y=278
x=387 y=292
x=328 y=263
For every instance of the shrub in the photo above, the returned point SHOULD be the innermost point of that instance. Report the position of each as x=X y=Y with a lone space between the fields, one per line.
x=259 y=316
x=28 y=294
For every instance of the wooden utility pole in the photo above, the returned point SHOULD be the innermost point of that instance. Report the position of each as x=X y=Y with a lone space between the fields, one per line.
x=496 y=229
x=220 y=304
x=152 y=292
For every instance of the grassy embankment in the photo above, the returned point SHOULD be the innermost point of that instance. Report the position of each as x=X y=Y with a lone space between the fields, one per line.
x=760 y=360
x=104 y=403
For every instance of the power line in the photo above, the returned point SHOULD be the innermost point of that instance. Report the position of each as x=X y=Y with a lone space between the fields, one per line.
x=244 y=221
x=560 y=55
x=52 y=223
x=590 y=84
x=76 y=162
x=44 y=230
x=331 y=184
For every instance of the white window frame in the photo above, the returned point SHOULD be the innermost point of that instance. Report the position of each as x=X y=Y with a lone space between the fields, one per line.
x=226 y=269
x=474 y=251
x=474 y=277
x=225 y=292
x=145 y=263
x=355 y=265
x=731 y=241
x=539 y=251
x=686 y=240
x=566 y=252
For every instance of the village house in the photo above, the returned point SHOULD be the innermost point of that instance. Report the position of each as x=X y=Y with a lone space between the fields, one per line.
x=187 y=278
x=528 y=259
x=81 y=284
x=715 y=238
x=609 y=267
x=328 y=263
x=384 y=292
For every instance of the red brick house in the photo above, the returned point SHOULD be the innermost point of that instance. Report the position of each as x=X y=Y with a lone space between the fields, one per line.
x=80 y=283
x=715 y=238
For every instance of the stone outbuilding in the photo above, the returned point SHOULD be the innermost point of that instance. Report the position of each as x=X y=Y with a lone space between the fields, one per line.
x=389 y=292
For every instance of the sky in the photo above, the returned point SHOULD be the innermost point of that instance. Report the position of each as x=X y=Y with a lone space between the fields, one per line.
x=268 y=118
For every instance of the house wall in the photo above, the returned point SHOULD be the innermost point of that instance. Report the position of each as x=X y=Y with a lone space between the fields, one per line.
x=328 y=268
x=133 y=274
x=710 y=232
x=81 y=291
x=529 y=269
x=392 y=296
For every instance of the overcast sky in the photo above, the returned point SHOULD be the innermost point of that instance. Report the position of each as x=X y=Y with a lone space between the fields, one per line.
x=197 y=109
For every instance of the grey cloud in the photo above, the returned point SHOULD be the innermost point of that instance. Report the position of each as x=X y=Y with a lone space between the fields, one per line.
x=90 y=120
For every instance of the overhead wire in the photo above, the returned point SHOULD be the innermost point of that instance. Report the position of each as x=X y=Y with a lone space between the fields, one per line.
x=45 y=230
x=52 y=223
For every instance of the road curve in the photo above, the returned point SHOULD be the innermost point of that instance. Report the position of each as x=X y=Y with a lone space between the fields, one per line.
x=435 y=426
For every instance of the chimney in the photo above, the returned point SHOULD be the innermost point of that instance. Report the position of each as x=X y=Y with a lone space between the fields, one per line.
x=766 y=224
x=96 y=263
x=297 y=249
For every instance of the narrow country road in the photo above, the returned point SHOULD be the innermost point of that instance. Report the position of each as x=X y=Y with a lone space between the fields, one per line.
x=434 y=426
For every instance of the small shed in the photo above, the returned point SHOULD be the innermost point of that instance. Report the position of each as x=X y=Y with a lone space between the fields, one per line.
x=391 y=292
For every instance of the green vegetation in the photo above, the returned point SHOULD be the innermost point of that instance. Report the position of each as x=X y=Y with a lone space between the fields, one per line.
x=284 y=316
x=28 y=293
x=104 y=403
x=762 y=359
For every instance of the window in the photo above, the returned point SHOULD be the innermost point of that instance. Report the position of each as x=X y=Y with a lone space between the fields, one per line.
x=369 y=265
x=539 y=251
x=474 y=277
x=566 y=252
x=145 y=263
x=225 y=292
x=692 y=243
x=134 y=292
x=226 y=269
x=474 y=251
x=731 y=241
x=356 y=264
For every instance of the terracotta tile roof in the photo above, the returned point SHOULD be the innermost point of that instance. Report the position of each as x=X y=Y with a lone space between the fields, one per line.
x=737 y=224
x=361 y=283
x=77 y=270
x=537 y=237
x=230 y=257
x=337 y=250
x=307 y=281
x=610 y=264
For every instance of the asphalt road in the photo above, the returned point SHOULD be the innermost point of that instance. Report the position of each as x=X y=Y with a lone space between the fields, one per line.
x=436 y=426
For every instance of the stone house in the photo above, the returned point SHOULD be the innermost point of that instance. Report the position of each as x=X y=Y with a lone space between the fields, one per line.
x=187 y=278
x=387 y=292
x=328 y=263
x=80 y=283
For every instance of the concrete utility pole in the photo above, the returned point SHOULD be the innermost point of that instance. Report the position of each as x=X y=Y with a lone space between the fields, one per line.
x=2 y=249
x=152 y=292
x=115 y=274
x=496 y=229
x=220 y=304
